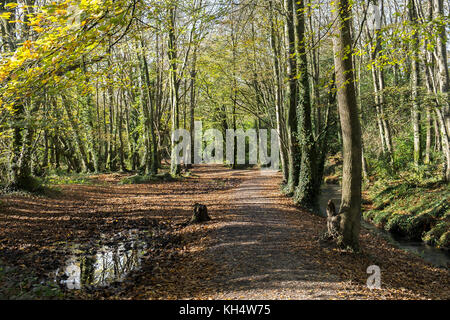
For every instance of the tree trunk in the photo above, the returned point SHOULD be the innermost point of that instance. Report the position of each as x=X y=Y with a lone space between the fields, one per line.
x=292 y=122
x=278 y=94
x=443 y=79
x=379 y=87
x=445 y=142
x=149 y=113
x=85 y=165
x=234 y=87
x=110 y=155
x=307 y=188
x=350 y=210
x=121 y=143
x=192 y=106
x=415 y=113
x=175 y=168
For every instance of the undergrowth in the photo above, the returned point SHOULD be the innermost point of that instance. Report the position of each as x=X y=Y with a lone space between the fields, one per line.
x=412 y=209
x=142 y=179
x=16 y=283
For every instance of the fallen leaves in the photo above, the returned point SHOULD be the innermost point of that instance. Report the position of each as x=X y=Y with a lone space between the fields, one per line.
x=32 y=229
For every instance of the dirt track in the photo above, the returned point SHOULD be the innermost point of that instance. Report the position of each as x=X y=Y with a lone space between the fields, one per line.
x=258 y=245
x=255 y=248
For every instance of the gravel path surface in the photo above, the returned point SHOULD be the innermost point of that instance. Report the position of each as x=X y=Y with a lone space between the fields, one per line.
x=255 y=249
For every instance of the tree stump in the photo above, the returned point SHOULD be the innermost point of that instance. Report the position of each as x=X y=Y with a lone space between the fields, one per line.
x=200 y=213
x=333 y=220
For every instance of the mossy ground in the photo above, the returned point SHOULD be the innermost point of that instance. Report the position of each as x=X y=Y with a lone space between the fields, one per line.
x=418 y=211
x=141 y=179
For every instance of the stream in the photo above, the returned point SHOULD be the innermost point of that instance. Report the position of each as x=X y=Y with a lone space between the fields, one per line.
x=435 y=256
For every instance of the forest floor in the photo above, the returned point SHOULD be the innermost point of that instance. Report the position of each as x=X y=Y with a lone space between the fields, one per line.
x=257 y=245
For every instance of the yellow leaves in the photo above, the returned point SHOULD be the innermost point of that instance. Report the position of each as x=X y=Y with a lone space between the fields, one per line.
x=8 y=107
x=359 y=52
x=52 y=18
x=5 y=15
x=56 y=47
x=27 y=44
x=61 y=12
x=11 y=5
x=35 y=21
x=119 y=11
x=3 y=75
x=38 y=29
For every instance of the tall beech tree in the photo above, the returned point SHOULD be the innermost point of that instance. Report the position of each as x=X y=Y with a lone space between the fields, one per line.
x=415 y=83
x=175 y=168
x=350 y=210
x=444 y=82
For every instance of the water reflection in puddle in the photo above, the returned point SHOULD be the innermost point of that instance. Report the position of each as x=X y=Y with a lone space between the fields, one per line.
x=102 y=265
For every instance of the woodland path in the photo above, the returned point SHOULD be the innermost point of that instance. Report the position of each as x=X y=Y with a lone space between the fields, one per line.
x=258 y=245
x=255 y=248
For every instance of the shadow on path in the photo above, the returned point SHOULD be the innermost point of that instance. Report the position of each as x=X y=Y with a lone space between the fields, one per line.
x=256 y=253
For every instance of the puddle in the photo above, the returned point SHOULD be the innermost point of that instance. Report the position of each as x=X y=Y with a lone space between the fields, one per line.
x=435 y=256
x=102 y=264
